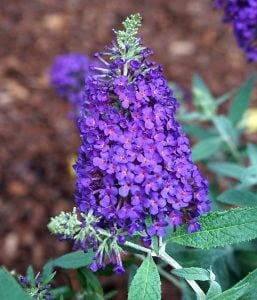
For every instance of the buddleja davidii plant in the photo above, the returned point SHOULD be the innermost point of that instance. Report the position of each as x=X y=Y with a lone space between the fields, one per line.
x=135 y=177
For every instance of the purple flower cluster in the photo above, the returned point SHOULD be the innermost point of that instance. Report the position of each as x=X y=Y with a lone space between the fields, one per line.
x=242 y=14
x=68 y=74
x=135 y=161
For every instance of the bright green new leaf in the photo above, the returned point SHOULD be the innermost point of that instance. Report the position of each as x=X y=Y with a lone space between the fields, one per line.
x=9 y=287
x=205 y=148
x=238 y=198
x=220 y=229
x=241 y=101
x=227 y=169
x=146 y=284
x=203 y=98
x=30 y=275
x=192 y=273
x=200 y=88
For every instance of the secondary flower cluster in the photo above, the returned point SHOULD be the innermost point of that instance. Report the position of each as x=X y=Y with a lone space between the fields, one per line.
x=37 y=290
x=68 y=74
x=134 y=170
x=242 y=14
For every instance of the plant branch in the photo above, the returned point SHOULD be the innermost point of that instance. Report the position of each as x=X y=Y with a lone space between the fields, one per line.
x=173 y=263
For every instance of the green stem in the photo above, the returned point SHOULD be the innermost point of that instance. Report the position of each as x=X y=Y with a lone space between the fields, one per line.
x=170 y=261
x=164 y=273
x=140 y=248
x=173 y=263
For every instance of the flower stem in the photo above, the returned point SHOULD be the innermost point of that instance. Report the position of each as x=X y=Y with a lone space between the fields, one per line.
x=173 y=263
x=140 y=248
x=164 y=273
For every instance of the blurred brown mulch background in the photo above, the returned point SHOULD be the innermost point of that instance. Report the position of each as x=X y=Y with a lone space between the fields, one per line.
x=37 y=138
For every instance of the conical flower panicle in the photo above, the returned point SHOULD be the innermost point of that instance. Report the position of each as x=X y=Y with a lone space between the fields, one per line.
x=135 y=160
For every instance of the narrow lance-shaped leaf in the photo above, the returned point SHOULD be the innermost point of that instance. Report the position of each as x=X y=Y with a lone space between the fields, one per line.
x=146 y=284
x=226 y=130
x=203 y=97
x=10 y=289
x=205 y=148
x=192 y=273
x=241 y=101
x=232 y=170
x=72 y=260
x=238 y=198
x=220 y=229
x=244 y=287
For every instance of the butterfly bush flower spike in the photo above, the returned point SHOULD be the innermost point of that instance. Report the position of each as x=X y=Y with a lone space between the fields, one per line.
x=134 y=162
x=242 y=15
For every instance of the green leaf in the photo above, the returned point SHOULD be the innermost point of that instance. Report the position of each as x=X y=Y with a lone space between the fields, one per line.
x=146 y=284
x=64 y=291
x=74 y=260
x=249 y=176
x=222 y=273
x=232 y=294
x=227 y=169
x=226 y=130
x=241 y=101
x=189 y=257
x=48 y=279
x=90 y=283
x=132 y=272
x=204 y=149
x=192 y=273
x=9 y=287
x=243 y=288
x=199 y=132
x=220 y=229
x=214 y=290
x=203 y=98
x=238 y=198
x=30 y=275
x=220 y=100
x=252 y=153
x=110 y=295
